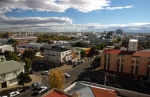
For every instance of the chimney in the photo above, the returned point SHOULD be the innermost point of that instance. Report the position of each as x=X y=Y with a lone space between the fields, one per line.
x=76 y=94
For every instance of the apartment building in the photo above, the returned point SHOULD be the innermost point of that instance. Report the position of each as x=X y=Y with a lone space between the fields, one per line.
x=57 y=55
x=131 y=63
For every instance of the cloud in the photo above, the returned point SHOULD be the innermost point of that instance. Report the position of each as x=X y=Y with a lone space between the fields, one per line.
x=121 y=7
x=53 y=5
x=87 y=5
x=34 y=20
x=59 y=27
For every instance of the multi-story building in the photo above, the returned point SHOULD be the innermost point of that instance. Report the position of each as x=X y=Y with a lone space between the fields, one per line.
x=57 y=55
x=133 y=45
x=9 y=71
x=131 y=63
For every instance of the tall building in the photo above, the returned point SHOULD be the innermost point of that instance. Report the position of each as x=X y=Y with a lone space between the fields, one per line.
x=133 y=45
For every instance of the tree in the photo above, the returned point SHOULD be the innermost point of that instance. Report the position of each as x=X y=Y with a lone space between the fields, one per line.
x=23 y=78
x=29 y=54
x=14 y=43
x=11 y=56
x=83 y=53
x=28 y=64
x=96 y=63
x=57 y=79
x=79 y=44
x=7 y=34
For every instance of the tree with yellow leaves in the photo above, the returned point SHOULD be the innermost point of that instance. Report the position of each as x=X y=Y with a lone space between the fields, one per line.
x=57 y=79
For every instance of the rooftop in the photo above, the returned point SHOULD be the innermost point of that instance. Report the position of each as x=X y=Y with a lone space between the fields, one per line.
x=9 y=66
x=57 y=49
x=133 y=53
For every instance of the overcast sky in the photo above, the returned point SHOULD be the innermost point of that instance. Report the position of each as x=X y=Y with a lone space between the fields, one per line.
x=74 y=15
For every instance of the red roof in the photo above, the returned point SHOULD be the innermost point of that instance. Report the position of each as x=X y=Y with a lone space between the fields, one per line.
x=112 y=51
x=55 y=93
x=121 y=52
x=100 y=92
x=133 y=53
x=144 y=54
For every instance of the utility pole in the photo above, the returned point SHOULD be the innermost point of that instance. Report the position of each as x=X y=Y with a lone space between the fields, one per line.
x=105 y=79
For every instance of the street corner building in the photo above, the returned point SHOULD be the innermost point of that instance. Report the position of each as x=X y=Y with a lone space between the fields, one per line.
x=132 y=64
x=9 y=71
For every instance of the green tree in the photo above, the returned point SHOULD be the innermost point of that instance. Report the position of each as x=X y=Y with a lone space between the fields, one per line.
x=28 y=64
x=79 y=44
x=29 y=54
x=83 y=53
x=57 y=79
x=96 y=63
x=14 y=43
x=11 y=56
x=23 y=78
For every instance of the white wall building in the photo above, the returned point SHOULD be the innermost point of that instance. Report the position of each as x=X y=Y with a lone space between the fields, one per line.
x=133 y=45
x=57 y=55
x=9 y=71
x=6 y=48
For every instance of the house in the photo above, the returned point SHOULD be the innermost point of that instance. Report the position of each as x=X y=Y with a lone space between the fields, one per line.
x=133 y=64
x=4 y=48
x=9 y=71
x=57 y=55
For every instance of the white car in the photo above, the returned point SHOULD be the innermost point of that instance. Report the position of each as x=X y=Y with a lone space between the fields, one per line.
x=67 y=75
x=42 y=89
x=45 y=72
x=13 y=94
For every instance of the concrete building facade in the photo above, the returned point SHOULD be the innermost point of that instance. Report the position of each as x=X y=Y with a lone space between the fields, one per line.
x=135 y=64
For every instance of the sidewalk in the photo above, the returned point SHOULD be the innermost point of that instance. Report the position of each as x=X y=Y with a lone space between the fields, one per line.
x=17 y=87
x=64 y=68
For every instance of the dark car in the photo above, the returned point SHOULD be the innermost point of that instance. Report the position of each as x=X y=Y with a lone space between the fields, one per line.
x=26 y=88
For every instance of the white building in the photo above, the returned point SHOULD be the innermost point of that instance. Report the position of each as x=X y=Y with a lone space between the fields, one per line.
x=57 y=55
x=6 y=48
x=133 y=45
x=9 y=71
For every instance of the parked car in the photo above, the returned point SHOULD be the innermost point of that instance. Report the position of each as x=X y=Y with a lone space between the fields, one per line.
x=45 y=72
x=42 y=89
x=26 y=88
x=67 y=75
x=36 y=85
x=14 y=93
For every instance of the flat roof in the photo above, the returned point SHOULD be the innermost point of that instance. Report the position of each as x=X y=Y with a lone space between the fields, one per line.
x=122 y=52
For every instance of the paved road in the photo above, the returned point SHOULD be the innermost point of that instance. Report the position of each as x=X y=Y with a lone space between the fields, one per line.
x=76 y=74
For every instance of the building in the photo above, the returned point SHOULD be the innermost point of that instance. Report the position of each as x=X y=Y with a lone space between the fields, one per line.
x=57 y=55
x=4 y=48
x=9 y=71
x=133 y=45
x=131 y=63
x=87 y=89
x=23 y=39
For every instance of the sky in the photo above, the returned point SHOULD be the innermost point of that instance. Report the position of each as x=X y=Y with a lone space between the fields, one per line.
x=74 y=15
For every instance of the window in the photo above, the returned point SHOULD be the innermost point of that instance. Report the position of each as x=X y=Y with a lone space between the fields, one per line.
x=132 y=69
x=12 y=81
x=136 y=69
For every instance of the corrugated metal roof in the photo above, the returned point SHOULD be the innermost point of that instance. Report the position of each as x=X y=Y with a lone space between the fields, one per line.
x=83 y=89
x=9 y=66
